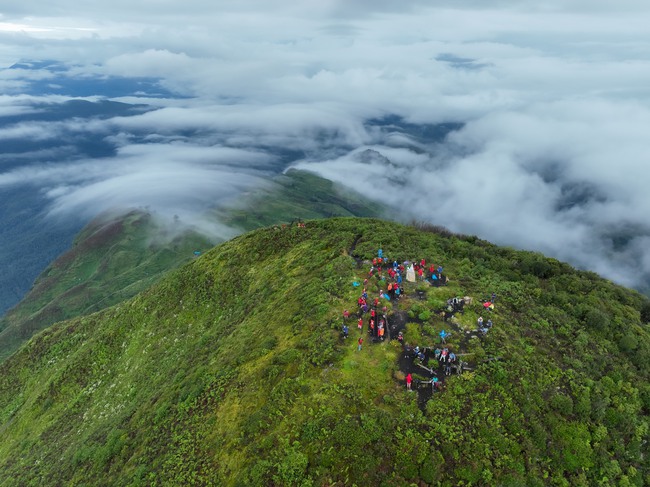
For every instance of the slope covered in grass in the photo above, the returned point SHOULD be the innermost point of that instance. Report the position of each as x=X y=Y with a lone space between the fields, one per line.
x=112 y=259
x=116 y=257
x=232 y=371
x=298 y=195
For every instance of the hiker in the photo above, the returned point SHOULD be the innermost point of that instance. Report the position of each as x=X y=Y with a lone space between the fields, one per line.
x=443 y=355
x=480 y=322
x=381 y=332
x=436 y=353
x=360 y=324
x=372 y=326
x=380 y=253
x=345 y=331
x=488 y=324
x=409 y=379
x=360 y=342
x=443 y=335
x=421 y=273
x=494 y=297
x=346 y=314
x=400 y=337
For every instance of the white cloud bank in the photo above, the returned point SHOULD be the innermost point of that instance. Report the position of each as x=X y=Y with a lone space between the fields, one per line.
x=554 y=95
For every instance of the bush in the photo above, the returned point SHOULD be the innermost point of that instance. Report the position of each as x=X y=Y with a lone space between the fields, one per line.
x=597 y=319
x=563 y=404
x=292 y=468
x=425 y=315
x=628 y=343
x=645 y=311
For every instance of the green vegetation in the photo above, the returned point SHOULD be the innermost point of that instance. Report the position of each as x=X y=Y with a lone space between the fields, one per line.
x=298 y=195
x=112 y=259
x=116 y=257
x=231 y=371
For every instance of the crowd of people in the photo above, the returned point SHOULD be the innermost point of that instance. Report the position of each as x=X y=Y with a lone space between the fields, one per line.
x=387 y=278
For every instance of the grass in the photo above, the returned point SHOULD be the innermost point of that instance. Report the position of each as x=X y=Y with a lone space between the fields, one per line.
x=117 y=256
x=231 y=371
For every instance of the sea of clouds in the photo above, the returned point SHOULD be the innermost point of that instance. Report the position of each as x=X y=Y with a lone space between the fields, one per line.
x=551 y=101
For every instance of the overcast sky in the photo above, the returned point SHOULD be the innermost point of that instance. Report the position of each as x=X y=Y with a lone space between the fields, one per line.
x=554 y=96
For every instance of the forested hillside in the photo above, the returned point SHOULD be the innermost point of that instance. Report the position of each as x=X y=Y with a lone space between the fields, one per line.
x=234 y=370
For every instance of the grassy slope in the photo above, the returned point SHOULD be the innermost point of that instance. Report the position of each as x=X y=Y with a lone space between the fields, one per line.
x=231 y=371
x=298 y=195
x=114 y=259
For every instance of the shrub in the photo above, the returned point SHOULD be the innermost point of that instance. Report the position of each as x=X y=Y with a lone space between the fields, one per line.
x=425 y=315
x=563 y=404
x=595 y=318
x=645 y=311
x=291 y=469
x=628 y=343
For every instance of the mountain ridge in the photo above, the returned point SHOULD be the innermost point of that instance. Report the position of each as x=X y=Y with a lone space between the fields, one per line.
x=232 y=371
x=119 y=254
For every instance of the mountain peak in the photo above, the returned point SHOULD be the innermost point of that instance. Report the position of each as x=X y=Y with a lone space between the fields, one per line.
x=234 y=370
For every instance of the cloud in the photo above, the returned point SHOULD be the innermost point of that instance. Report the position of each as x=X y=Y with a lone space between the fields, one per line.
x=168 y=179
x=547 y=178
x=552 y=98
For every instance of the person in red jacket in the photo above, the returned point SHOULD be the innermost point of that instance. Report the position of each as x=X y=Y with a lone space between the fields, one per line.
x=409 y=379
x=360 y=343
x=360 y=324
